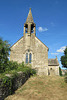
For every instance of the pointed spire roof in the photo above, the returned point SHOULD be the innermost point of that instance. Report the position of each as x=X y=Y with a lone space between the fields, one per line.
x=29 y=18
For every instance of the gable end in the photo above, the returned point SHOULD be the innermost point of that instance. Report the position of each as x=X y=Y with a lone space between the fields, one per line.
x=16 y=42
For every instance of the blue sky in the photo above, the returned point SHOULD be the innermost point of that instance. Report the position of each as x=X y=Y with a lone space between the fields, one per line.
x=50 y=17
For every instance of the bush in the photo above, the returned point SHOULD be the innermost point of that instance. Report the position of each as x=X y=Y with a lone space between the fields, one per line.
x=33 y=71
x=64 y=58
x=4 y=54
x=11 y=66
x=25 y=68
x=60 y=72
x=14 y=67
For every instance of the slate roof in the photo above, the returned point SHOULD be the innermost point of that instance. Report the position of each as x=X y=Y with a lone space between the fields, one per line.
x=53 y=62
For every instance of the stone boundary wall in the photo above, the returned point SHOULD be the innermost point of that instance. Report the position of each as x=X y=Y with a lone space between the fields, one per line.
x=8 y=88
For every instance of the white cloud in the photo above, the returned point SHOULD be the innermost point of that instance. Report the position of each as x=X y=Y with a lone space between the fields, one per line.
x=40 y=29
x=61 y=49
x=54 y=53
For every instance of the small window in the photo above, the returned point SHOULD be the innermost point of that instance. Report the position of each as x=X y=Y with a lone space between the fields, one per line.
x=32 y=28
x=26 y=57
x=50 y=68
x=30 y=57
x=26 y=28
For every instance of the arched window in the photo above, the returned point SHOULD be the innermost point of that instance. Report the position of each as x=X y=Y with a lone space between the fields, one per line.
x=26 y=28
x=26 y=57
x=30 y=57
x=32 y=28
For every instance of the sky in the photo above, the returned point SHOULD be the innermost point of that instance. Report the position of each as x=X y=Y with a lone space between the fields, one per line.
x=50 y=17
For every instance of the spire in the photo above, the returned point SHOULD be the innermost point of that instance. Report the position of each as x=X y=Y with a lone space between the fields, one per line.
x=29 y=18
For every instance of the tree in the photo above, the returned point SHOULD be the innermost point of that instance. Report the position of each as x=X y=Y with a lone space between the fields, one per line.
x=64 y=58
x=4 y=53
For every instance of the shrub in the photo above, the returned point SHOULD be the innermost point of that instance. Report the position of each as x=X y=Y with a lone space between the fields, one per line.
x=11 y=66
x=64 y=58
x=25 y=68
x=60 y=72
x=33 y=71
x=4 y=53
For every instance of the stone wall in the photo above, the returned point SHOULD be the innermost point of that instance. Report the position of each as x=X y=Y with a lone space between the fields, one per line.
x=41 y=57
x=31 y=44
x=17 y=51
x=53 y=70
x=8 y=88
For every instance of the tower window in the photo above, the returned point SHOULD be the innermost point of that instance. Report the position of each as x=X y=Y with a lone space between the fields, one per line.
x=26 y=57
x=30 y=57
x=32 y=28
x=26 y=28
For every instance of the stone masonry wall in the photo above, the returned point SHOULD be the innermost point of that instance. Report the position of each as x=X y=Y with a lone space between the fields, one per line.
x=38 y=50
x=41 y=57
x=17 y=51
x=53 y=70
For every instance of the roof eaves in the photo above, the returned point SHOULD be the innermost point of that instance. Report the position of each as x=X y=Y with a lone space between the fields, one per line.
x=42 y=42
x=16 y=42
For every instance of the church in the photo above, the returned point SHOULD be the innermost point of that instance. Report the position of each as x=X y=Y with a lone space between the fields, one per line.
x=30 y=50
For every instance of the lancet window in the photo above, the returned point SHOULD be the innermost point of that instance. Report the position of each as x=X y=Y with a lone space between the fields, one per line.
x=28 y=57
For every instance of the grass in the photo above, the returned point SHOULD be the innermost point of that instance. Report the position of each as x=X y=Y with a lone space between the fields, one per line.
x=42 y=88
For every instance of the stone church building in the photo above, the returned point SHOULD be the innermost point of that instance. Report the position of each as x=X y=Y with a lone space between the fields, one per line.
x=30 y=50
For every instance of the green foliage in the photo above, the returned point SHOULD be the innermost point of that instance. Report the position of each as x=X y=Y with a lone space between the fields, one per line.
x=7 y=66
x=11 y=69
x=33 y=71
x=64 y=58
x=4 y=53
x=7 y=82
x=26 y=69
x=60 y=72
x=11 y=66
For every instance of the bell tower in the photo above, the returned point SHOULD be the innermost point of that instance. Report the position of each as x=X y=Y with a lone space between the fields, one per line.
x=29 y=26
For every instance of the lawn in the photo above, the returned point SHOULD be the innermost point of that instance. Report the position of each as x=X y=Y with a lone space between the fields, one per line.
x=41 y=88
